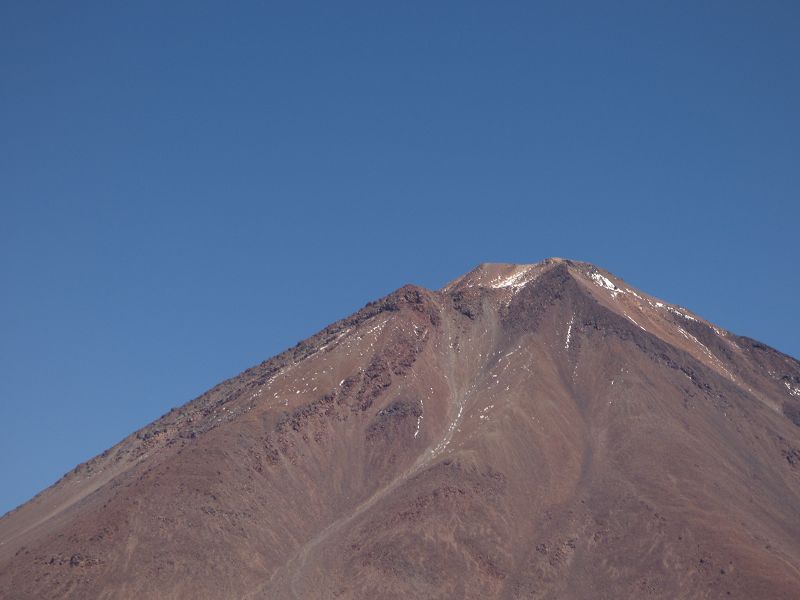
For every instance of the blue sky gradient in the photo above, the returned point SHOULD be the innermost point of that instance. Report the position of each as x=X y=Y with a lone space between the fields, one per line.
x=186 y=190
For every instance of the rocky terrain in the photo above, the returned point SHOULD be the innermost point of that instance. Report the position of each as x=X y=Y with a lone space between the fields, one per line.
x=528 y=431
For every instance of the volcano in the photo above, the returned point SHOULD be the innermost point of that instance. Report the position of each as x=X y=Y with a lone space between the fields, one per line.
x=528 y=431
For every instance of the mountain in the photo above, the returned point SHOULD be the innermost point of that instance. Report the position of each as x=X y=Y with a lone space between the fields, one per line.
x=528 y=431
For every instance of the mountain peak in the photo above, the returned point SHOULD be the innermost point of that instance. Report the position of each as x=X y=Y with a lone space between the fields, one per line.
x=516 y=275
x=499 y=275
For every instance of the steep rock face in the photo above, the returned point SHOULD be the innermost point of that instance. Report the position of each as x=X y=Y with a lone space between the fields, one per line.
x=528 y=431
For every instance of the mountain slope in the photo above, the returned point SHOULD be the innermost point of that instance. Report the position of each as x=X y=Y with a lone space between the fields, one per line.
x=528 y=431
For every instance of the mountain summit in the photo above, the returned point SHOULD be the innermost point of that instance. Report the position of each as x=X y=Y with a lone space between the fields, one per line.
x=528 y=431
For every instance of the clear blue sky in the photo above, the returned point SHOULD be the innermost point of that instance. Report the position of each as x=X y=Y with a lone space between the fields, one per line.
x=188 y=190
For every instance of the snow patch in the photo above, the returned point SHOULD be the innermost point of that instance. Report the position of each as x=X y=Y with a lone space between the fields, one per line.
x=603 y=281
x=515 y=281
x=630 y=291
x=680 y=314
x=674 y=310
x=377 y=327
x=449 y=434
x=792 y=391
x=419 y=418
x=569 y=332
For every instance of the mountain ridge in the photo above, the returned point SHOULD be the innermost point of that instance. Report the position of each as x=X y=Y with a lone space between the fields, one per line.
x=404 y=396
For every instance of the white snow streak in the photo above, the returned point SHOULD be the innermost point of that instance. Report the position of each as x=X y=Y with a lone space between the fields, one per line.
x=679 y=313
x=419 y=418
x=605 y=282
x=569 y=332
x=516 y=281
x=449 y=434
x=632 y=320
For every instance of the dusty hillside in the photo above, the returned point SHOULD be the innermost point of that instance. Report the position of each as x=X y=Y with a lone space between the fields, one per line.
x=529 y=431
